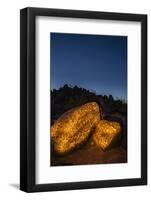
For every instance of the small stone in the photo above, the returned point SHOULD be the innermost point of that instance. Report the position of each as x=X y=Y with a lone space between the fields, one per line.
x=106 y=133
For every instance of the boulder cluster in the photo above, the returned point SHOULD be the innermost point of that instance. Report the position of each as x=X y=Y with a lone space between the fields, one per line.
x=75 y=126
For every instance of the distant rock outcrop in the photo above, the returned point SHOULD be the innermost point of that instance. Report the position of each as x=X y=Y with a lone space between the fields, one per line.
x=106 y=133
x=74 y=127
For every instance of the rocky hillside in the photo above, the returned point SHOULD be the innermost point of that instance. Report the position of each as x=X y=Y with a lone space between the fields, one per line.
x=68 y=97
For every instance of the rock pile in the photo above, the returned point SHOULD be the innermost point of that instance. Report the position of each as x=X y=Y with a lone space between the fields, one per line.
x=74 y=127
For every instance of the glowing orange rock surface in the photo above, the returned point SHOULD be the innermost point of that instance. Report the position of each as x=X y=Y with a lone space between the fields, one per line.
x=74 y=127
x=106 y=133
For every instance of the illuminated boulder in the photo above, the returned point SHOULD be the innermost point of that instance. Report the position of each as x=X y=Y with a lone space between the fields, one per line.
x=106 y=134
x=74 y=127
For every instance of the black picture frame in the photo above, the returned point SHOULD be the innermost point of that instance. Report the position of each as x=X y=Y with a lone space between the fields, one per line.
x=28 y=98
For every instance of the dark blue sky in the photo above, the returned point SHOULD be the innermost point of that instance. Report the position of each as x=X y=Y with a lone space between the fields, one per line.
x=95 y=62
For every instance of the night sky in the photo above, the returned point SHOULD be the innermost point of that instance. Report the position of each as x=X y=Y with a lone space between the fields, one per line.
x=95 y=62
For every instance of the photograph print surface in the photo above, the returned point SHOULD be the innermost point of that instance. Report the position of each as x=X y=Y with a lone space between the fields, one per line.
x=88 y=97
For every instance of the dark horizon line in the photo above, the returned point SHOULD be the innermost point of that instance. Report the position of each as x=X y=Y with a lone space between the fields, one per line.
x=93 y=91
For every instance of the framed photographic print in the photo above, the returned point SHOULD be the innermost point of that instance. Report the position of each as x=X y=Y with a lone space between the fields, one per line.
x=83 y=99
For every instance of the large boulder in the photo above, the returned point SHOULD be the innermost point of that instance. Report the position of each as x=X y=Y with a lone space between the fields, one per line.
x=74 y=127
x=106 y=134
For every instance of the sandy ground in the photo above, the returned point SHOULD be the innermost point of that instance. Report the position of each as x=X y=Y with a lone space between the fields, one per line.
x=89 y=153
